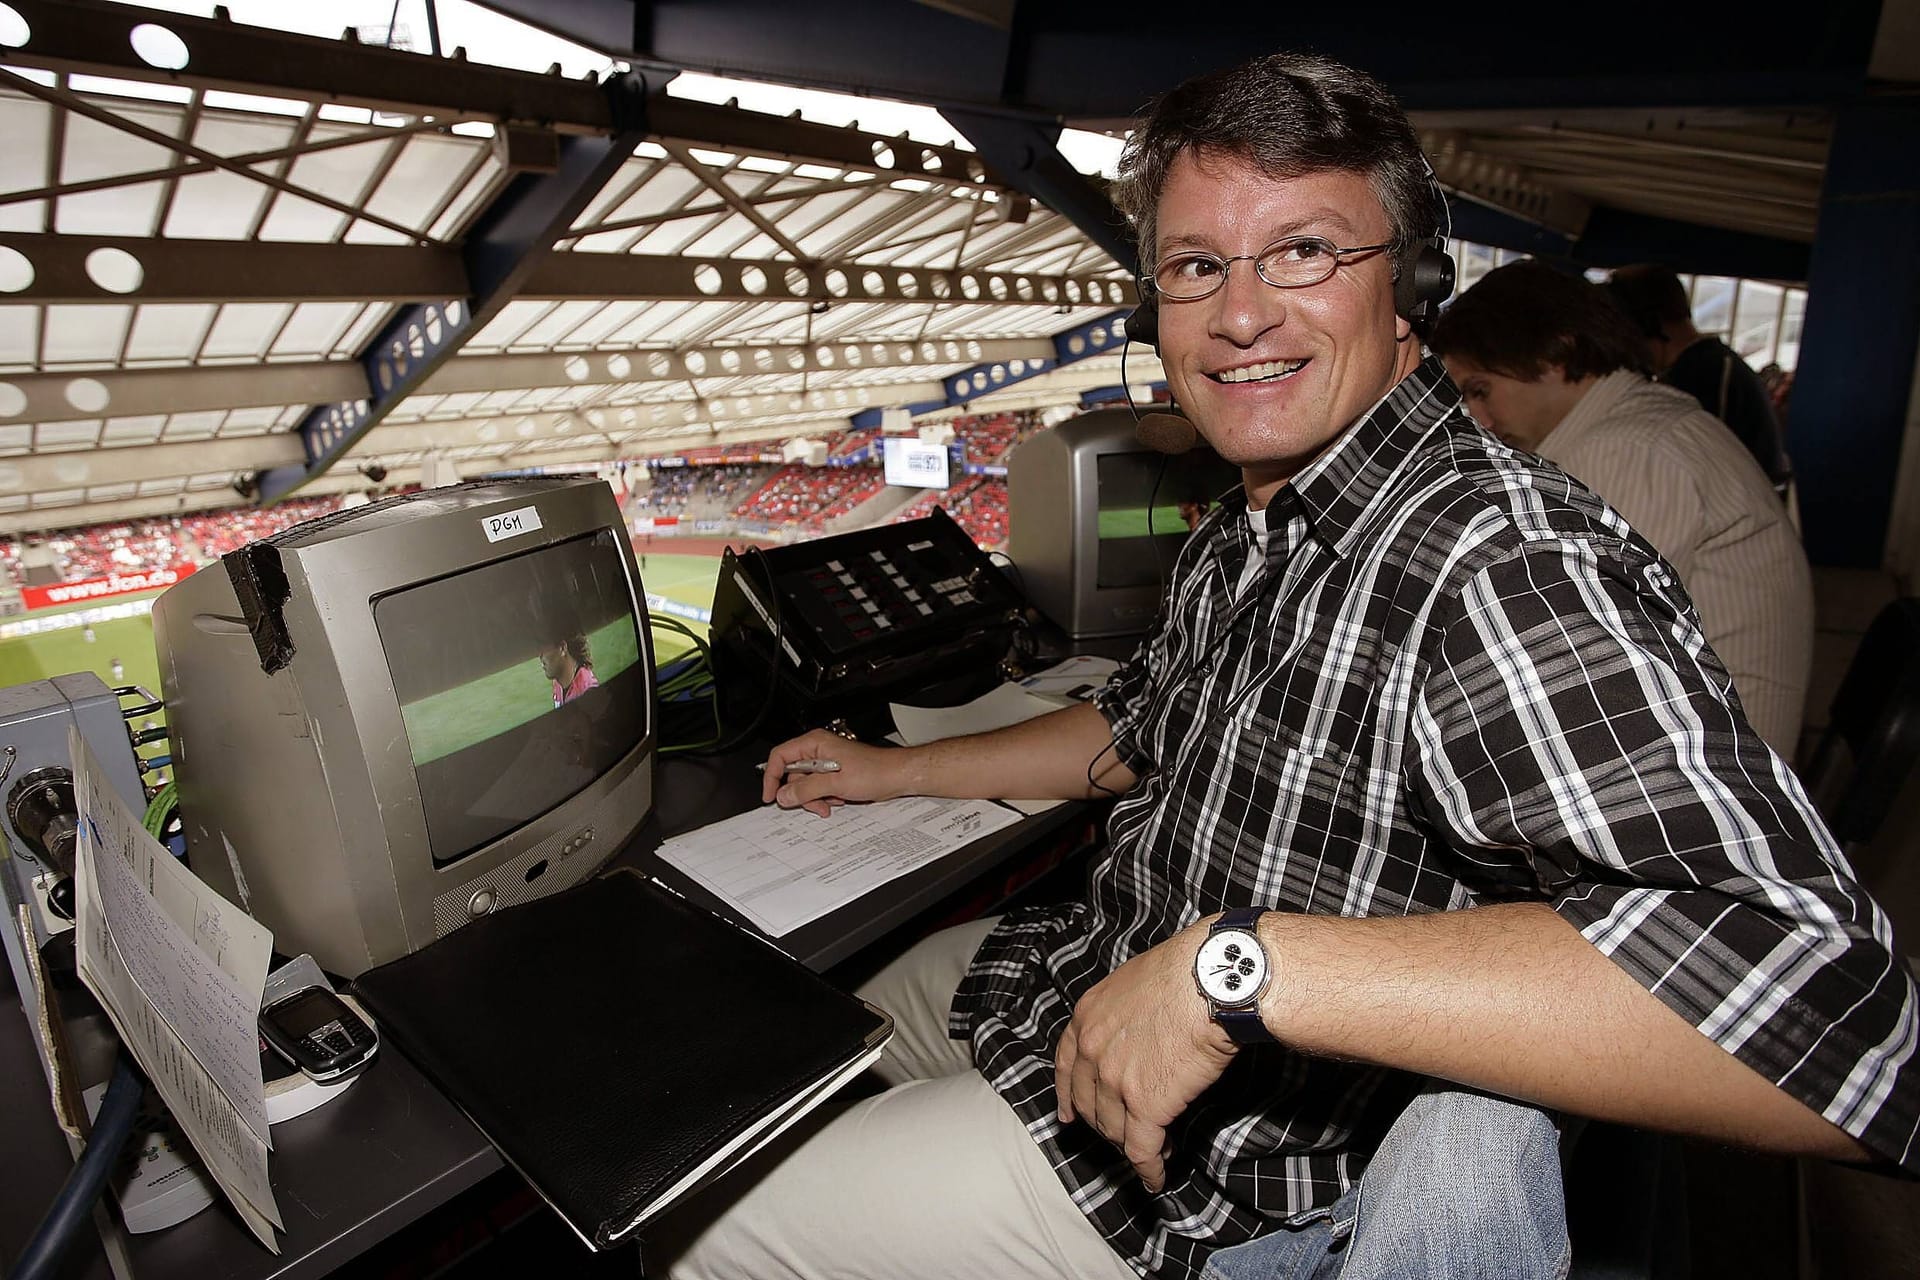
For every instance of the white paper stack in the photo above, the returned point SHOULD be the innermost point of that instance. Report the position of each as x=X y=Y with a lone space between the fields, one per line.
x=179 y=970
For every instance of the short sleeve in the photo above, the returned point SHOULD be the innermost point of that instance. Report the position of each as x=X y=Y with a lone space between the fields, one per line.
x=1569 y=717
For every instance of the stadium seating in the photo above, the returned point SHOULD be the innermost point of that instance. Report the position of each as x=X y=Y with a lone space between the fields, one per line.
x=977 y=504
x=218 y=532
x=804 y=499
x=856 y=445
x=808 y=497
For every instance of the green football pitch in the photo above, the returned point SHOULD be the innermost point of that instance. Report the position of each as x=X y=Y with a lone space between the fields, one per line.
x=686 y=579
x=1131 y=522
x=94 y=648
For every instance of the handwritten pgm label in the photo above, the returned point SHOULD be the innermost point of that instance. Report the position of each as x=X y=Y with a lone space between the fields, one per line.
x=510 y=524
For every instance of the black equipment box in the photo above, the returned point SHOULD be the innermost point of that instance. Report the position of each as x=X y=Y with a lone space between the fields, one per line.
x=901 y=612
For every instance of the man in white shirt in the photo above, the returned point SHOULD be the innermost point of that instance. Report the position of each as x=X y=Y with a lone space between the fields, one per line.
x=1548 y=363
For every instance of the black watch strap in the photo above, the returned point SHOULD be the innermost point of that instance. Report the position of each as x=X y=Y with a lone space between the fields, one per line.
x=1243 y=1026
x=1238 y=918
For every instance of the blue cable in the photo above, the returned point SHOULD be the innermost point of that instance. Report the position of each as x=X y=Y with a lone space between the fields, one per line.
x=68 y=1213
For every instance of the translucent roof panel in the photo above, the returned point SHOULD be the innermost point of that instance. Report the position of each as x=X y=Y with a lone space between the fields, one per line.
x=314 y=329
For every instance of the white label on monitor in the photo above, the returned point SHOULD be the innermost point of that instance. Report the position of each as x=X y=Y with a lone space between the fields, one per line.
x=511 y=524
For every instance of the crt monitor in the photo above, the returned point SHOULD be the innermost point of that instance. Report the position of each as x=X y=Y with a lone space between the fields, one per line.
x=1095 y=520
x=394 y=719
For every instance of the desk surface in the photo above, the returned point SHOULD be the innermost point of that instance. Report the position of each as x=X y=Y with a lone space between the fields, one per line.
x=391 y=1149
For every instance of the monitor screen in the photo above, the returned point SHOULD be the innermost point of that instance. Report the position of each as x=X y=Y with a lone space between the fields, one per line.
x=913 y=462
x=1137 y=542
x=519 y=683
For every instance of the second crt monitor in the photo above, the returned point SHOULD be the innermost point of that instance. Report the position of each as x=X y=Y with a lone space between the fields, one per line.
x=394 y=719
x=1095 y=520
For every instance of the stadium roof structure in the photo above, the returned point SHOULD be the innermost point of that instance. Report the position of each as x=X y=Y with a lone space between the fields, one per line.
x=402 y=255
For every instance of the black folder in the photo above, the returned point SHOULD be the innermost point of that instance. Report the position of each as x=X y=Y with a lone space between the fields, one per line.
x=619 y=1044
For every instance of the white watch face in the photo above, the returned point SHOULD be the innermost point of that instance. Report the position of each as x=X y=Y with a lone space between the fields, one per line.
x=1231 y=967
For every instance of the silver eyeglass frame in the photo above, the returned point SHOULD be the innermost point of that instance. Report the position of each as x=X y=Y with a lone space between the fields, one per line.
x=1337 y=257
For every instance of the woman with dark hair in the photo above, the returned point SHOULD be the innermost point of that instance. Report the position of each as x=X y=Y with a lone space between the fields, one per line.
x=1548 y=362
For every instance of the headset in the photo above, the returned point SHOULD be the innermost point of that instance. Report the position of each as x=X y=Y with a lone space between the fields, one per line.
x=1420 y=286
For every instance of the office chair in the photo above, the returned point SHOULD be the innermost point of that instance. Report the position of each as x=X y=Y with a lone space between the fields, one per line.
x=1876 y=714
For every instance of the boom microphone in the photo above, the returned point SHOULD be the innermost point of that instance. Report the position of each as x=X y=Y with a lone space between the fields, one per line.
x=1166 y=432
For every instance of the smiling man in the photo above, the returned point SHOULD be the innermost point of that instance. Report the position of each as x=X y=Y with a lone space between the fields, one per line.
x=1426 y=776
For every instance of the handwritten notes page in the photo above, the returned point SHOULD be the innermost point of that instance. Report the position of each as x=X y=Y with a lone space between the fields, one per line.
x=179 y=970
x=783 y=867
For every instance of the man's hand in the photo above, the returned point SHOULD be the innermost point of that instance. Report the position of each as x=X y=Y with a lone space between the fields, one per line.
x=865 y=773
x=1140 y=1048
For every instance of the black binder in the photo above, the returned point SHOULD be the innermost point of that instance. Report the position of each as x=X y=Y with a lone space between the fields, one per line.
x=620 y=1045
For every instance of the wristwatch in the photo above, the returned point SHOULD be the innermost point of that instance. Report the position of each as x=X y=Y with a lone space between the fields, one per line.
x=1231 y=971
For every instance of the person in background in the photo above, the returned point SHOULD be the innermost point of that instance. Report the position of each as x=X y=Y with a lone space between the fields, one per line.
x=1546 y=362
x=1704 y=367
x=569 y=664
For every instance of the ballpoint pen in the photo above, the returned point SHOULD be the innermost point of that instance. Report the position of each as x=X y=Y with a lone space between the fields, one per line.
x=805 y=766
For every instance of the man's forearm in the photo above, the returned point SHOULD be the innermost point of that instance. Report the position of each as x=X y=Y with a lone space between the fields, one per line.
x=1511 y=999
x=1050 y=757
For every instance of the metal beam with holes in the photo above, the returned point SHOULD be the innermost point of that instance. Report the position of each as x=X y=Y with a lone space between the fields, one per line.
x=616 y=368
x=1106 y=335
x=64 y=397
x=621 y=276
x=506 y=244
x=82 y=269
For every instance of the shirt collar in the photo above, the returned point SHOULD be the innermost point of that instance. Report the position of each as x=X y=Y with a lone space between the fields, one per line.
x=1336 y=489
x=1595 y=407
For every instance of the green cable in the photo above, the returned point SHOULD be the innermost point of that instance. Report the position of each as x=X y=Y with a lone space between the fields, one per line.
x=696 y=675
x=164 y=801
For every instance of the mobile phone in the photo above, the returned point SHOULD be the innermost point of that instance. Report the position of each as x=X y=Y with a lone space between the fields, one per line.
x=316 y=1031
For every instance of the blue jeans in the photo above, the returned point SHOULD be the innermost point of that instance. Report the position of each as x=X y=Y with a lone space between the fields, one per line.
x=1464 y=1187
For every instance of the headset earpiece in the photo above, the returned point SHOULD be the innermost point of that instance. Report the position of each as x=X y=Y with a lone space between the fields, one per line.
x=1143 y=323
x=1424 y=283
x=1427 y=280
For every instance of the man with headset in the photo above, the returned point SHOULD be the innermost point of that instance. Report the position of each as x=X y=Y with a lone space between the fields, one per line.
x=1425 y=775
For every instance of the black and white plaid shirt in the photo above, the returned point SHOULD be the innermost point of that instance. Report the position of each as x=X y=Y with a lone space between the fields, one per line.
x=1462 y=679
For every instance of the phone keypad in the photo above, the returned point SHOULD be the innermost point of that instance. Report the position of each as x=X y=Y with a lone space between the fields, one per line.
x=336 y=1039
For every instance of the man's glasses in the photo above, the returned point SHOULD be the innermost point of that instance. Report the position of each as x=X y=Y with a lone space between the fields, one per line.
x=1293 y=263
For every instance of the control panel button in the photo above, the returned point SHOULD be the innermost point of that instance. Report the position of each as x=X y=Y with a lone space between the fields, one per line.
x=481 y=903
